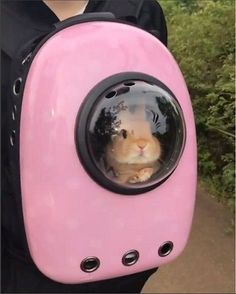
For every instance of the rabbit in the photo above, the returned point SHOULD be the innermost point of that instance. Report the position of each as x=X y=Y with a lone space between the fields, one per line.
x=133 y=152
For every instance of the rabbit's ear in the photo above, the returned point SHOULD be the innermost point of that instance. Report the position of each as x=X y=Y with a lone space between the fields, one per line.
x=124 y=133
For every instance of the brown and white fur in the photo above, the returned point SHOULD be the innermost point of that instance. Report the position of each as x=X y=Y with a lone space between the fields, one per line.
x=134 y=152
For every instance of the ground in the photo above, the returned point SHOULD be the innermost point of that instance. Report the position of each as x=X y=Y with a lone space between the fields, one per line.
x=207 y=263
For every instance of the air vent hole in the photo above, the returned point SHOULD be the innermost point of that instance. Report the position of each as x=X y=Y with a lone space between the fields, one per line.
x=90 y=264
x=17 y=86
x=130 y=258
x=111 y=94
x=129 y=84
x=165 y=249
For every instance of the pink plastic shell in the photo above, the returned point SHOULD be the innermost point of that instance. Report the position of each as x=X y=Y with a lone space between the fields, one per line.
x=67 y=215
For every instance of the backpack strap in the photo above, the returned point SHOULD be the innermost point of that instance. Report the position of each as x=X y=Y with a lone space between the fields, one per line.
x=146 y=14
x=130 y=13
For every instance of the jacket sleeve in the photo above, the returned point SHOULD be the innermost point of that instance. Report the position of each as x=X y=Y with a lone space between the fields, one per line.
x=151 y=18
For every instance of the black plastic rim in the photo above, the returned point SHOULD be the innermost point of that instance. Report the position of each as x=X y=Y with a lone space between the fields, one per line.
x=81 y=127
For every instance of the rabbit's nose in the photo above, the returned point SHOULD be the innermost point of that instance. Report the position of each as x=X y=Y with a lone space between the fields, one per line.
x=142 y=144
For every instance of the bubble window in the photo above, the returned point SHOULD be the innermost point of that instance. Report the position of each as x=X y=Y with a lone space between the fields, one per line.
x=134 y=135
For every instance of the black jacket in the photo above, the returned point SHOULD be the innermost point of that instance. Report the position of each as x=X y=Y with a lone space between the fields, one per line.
x=22 y=23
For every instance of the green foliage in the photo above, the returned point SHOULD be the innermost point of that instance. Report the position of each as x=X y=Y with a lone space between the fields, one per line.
x=202 y=39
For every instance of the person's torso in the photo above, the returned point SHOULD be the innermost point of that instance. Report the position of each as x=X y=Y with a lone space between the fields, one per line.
x=24 y=24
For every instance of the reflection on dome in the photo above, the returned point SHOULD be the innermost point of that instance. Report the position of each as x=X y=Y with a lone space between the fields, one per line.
x=136 y=133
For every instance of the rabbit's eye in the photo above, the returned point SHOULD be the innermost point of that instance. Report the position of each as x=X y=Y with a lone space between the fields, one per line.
x=124 y=133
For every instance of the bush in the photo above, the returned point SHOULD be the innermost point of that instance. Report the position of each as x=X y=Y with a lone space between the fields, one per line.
x=202 y=39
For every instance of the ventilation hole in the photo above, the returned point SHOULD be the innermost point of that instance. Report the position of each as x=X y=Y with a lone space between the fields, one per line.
x=27 y=58
x=16 y=86
x=13 y=113
x=12 y=137
x=111 y=94
x=130 y=258
x=165 y=249
x=90 y=264
x=129 y=84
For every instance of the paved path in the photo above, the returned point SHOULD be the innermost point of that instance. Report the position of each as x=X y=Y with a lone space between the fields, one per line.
x=207 y=263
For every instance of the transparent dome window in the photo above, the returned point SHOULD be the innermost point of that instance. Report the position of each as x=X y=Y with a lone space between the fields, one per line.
x=136 y=134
